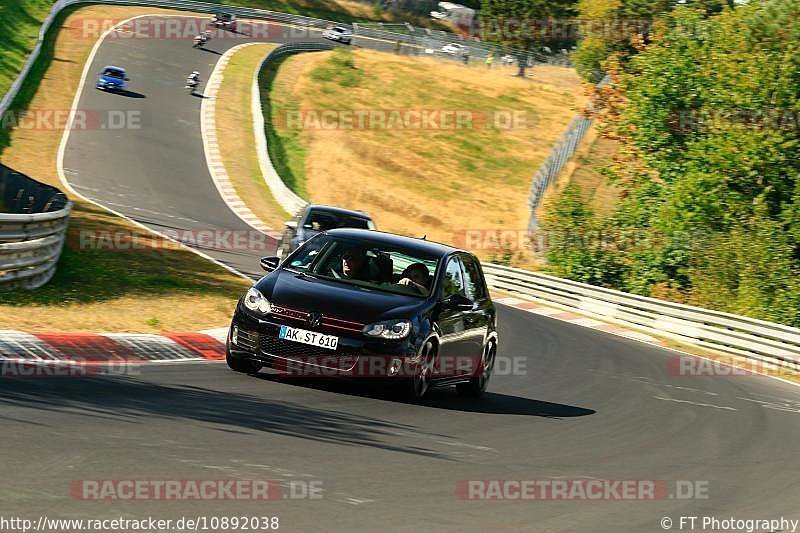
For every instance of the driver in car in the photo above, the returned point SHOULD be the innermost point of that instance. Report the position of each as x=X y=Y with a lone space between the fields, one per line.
x=415 y=275
x=355 y=264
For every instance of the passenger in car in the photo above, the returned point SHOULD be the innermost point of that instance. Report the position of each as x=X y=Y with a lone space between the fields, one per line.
x=417 y=276
x=355 y=264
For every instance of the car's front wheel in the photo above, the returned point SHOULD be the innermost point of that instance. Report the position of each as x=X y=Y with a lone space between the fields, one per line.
x=476 y=386
x=422 y=380
x=240 y=364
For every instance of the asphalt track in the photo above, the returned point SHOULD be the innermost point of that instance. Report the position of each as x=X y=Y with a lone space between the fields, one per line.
x=586 y=405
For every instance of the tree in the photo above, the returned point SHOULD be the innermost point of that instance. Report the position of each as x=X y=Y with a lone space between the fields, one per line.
x=522 y=24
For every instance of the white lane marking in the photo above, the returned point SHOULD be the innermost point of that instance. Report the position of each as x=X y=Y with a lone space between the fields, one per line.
x=787 y=406
x=696 y=403
x=65 y=138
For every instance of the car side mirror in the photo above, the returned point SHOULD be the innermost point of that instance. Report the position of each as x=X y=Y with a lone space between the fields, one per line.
x=127 y=78
x=291 y=224
x=308 y=226
x=458 y=302
x=270 y=263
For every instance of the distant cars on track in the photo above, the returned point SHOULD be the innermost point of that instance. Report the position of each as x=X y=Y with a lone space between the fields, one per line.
x=316 y=218
x=112 y=78
x=339 y=34
x=224 y=20
x=453 y=49
x=359 y=303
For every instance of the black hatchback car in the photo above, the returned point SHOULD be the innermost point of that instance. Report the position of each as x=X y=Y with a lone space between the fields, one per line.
x=313 y=219
x=361 y=303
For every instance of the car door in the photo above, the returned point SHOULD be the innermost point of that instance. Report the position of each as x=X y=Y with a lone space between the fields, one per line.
x=478 y=320
x=454 y=345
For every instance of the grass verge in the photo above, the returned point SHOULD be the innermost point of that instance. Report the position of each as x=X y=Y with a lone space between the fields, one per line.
x=437 y=180
x=151 y=290
x=236 y=136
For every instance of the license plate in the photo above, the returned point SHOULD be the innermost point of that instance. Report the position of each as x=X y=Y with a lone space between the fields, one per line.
x=309 y=337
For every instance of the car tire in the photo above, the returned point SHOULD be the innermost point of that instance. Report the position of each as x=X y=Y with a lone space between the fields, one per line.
x=476 y=386
x=418 y=386
x=240 y=364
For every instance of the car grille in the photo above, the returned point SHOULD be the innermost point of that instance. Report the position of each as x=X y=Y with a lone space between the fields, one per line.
x=328 y=324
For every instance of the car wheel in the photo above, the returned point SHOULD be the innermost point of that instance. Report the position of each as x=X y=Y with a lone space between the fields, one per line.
x=240 y=364
x=422 y=380
x=476 y=386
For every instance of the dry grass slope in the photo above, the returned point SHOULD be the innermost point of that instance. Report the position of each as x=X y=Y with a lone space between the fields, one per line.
x=435 y=181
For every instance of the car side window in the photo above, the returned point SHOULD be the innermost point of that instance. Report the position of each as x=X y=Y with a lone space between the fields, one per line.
x=472 y=278
x=453 y=279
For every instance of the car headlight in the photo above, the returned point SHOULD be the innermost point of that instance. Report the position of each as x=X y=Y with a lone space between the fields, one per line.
x=388 y=329
x=255 y=301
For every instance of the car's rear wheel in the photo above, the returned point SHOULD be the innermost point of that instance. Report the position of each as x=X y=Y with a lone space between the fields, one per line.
x=240 y=364
x=476 y=386
x=422 y=380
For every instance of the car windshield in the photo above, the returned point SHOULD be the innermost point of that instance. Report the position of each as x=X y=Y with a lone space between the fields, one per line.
x=367 y=264
x=340 y=30
x=224 y=16
x=320 y=220
x=114 y=73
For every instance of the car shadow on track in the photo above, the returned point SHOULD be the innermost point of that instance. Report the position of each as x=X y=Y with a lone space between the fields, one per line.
x=210 y=51
x=127 y=400
x=131 y=94
x=442 y=398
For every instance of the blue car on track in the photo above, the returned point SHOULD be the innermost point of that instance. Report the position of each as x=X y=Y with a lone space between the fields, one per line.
x=112 y=78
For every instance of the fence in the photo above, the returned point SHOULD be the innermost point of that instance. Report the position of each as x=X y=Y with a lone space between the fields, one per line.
x=717 y=331
x=423 y=41
x=32 y=233
x=561 y=152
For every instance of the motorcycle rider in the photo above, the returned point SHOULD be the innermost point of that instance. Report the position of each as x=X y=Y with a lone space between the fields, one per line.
x=193 y=80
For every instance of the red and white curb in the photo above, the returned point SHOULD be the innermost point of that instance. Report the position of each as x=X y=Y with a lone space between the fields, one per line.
x=216 y=167
x=574 y=318
x=112 y=348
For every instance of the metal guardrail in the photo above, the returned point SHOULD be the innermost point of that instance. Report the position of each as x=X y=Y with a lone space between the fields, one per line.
x=714 y=330
x=288 y=200
x=561 y=152
x=32 y=234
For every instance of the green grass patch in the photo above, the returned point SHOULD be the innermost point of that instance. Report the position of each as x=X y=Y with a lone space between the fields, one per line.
x=286 y=151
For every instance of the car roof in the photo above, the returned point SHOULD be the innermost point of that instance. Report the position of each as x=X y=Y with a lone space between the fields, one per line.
x=337 y=210
x=113 y=67
x=391 y=239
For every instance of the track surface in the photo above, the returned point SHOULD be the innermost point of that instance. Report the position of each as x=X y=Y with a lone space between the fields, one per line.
x=589 y=405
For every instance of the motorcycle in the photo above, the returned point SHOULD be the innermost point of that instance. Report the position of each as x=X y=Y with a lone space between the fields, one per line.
x=191 y=84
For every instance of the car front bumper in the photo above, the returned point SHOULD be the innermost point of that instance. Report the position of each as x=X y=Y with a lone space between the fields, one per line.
x=258 y=339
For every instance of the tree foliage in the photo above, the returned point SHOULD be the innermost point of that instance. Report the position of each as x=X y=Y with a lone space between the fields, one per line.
x=711 y=121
